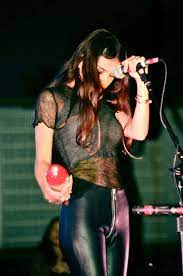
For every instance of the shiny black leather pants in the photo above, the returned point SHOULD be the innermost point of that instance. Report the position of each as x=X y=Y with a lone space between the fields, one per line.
x=94 y=232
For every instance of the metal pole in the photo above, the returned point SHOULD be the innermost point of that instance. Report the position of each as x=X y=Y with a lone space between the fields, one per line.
x=180 y=230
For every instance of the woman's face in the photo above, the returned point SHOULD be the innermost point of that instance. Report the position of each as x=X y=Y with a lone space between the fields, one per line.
x=105 y=68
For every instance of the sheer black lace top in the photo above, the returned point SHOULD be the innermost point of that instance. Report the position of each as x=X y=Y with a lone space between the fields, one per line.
x=100 y=164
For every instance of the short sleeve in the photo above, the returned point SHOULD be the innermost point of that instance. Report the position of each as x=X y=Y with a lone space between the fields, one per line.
x=45 y=110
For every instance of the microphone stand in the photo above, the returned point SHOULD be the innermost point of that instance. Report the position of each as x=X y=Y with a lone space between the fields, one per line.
x=178 y=170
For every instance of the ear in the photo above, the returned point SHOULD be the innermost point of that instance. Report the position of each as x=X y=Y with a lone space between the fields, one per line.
x=80 y=67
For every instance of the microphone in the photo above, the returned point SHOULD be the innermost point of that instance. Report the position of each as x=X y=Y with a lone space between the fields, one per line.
x=118 y=69
x=149 y=210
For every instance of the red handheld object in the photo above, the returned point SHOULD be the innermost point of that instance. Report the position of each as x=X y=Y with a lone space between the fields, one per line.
x=56 y=175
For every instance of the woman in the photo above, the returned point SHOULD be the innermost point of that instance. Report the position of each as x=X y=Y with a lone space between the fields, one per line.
x=84 y=118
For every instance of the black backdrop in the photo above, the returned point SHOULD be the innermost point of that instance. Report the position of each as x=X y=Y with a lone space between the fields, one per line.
x=38 y=35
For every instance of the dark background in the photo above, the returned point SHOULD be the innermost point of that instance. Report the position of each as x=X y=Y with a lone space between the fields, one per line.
x=38 y=36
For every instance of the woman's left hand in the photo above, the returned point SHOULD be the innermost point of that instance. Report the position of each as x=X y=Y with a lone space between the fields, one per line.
x=130 y=66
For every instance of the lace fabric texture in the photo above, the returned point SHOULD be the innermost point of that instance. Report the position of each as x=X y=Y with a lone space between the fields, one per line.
x=49 y=106
x=101 y=167
x=102 y=171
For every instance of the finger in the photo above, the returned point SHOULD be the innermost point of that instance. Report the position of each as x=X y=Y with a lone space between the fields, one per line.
x=125 y=66
x=67 y=188
x=56 y=202
x=71 y=178
x=65 y=195
x=52 y=196
x=71 y=182
x=146 y=70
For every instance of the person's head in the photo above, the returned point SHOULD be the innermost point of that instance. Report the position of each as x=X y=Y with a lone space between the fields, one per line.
x=50 y=237
x=53 y=236
x=49 y=244
x=96 y=57
x=93 y=61
x=91 y=70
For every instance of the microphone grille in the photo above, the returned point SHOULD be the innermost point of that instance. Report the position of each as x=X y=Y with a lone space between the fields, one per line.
x=117 y=72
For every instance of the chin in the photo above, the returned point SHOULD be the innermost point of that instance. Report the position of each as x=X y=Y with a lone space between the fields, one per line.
x=104 y=87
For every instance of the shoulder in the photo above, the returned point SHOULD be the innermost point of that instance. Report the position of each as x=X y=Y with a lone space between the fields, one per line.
x=49 y=92
x=55 y=96
x=59 y=93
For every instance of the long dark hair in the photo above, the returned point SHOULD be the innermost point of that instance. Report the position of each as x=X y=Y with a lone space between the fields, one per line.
x=100 y=42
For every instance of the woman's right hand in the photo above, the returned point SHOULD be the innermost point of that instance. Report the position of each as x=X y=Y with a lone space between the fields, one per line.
x=58 y=196
x=43 y=142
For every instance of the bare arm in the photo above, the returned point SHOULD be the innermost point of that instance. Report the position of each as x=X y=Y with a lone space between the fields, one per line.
x=43 y=146
x=136 y=127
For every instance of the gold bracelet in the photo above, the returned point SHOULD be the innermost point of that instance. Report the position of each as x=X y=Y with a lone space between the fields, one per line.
x=142 y=100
